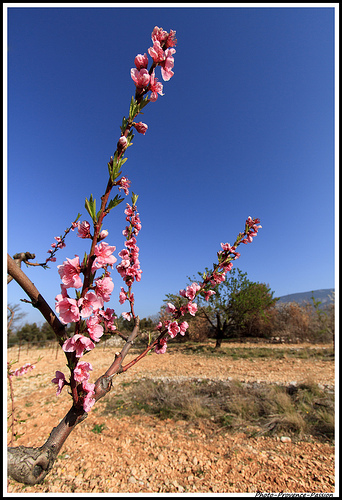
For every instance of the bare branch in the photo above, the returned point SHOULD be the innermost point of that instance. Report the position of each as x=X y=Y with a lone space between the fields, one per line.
x=18 y=259
x=37 y=299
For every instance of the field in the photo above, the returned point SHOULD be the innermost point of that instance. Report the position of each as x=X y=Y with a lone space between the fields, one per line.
x=190 y=421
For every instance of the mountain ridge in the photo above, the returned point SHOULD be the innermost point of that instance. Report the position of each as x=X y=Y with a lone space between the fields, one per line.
x=322 y=295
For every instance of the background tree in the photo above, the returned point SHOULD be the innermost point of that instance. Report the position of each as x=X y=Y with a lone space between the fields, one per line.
x=13 y=316
x=250 y=310
x=216 y=310
x=30 y=332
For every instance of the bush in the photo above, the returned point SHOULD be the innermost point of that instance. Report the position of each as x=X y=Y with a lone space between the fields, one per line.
x=303 y=323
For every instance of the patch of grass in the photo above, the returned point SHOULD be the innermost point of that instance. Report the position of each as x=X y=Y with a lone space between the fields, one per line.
x=256 y=352
x=256 y=409
x=98 y=428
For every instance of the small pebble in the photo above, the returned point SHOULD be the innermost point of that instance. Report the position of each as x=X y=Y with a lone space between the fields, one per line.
x=285 y=439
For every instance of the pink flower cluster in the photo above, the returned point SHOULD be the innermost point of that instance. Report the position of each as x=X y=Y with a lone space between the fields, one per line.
x=89 y=307
x=60 y=243
x=251 y=230
x=162 y=53
x=81 y=374
x=129 y=267
x=225 y=264
x=124 y=184
x=78 y=344
x=21 y=371
x=173 y=328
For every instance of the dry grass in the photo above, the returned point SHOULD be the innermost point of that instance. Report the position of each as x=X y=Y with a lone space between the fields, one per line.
x=301 y=411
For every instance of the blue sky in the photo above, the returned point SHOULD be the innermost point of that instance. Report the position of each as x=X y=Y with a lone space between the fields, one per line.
x=246 y=127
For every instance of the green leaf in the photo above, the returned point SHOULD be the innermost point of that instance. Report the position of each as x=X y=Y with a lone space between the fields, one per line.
x=143 y=103
x=132 y=108
x=122 y=161
x=123 y=125
x=114 y=202
x=134 y=198
x=85 y=258
x=90 y=206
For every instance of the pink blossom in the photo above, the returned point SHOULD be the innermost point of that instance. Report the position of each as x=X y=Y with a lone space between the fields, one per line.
x=183 y=327
x=226 y=247
x=131 y=242
x=165 y=38
x=141 y=127
x=69 y=272
x=124 y=184
x=94 y=328
x=156 y=52
x=81 y=372
x=88 y=401
x=129 y=210
x=60 y=381
x=173 y=329
x=159 y=326
x=60 y=242
x=104 y=288
x=155 y=88
x=89 y=303
x=104 y=256
x=167 y=65
x=122 y=296
x=126 y=315
x=78 y=343
x=183 y=310
x=171 y=40
x=124 y=254
x=141 y=61
x=170 y=308
x=140 y=77
x=192 y=308
x=67 y=309
x=190 y=291
x=161 y=346
x=108 y=316
x=227 y=267
x=208 y=294
x=83 y=229
x=159 y=34
x=23 y=370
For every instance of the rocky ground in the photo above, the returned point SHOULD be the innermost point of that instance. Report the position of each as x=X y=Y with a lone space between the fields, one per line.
x=142 y=454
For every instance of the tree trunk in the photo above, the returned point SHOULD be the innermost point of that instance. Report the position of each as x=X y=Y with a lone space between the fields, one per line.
x=220 y=331
x=31 y=465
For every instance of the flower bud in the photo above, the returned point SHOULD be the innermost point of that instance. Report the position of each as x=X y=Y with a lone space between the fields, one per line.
x=141 y=61
x=141 y=127
x=122 y=143
x=103 y=234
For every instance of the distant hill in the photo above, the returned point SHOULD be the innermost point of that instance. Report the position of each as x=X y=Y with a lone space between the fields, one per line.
x=320 y=295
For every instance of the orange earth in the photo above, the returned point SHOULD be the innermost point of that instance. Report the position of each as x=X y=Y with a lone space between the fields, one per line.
x=142 y=454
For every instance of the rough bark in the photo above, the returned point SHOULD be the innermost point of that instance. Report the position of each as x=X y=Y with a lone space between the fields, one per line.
x=31 y=465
